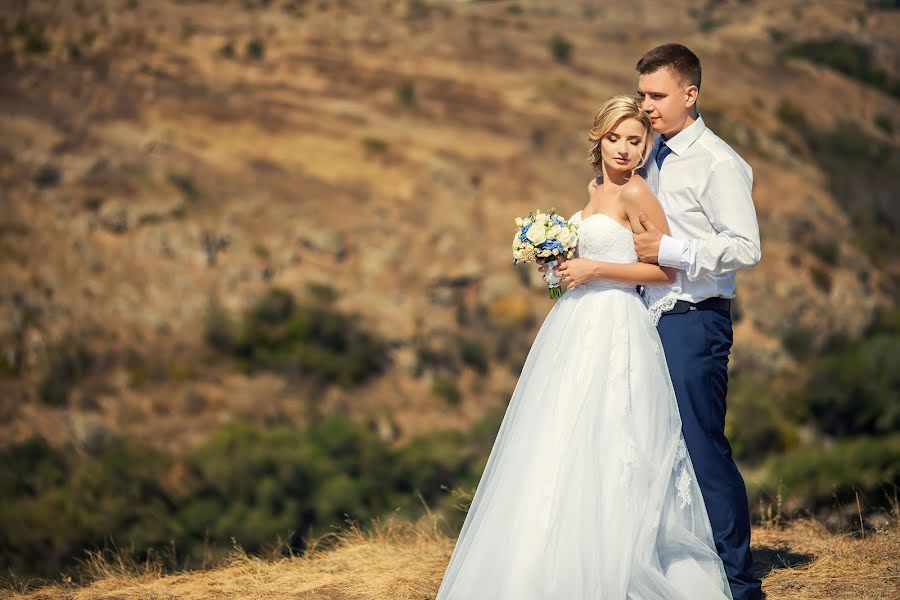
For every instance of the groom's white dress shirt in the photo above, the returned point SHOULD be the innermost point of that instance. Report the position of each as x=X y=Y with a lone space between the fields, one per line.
x=704 y=187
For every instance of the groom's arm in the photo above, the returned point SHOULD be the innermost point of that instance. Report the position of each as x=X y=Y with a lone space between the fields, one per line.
x=728 y=204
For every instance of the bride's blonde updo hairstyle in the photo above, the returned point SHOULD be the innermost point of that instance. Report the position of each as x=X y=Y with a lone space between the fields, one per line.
x=610 y=114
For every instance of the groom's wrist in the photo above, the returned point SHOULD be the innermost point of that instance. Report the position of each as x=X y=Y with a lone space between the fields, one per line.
x=671 y=252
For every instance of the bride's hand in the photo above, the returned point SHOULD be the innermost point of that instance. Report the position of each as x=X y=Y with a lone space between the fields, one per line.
x=574 y=272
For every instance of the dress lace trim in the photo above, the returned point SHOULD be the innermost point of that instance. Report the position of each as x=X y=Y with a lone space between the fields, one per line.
x=683 y=482
x=660 y=298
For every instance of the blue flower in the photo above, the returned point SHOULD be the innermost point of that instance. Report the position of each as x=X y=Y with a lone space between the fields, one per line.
x=551 y=245
x=525 y=228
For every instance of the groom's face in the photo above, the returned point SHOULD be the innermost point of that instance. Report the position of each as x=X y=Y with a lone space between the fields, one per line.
x=664 y=97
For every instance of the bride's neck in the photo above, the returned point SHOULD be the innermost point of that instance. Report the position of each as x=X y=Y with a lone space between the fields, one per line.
x=616 y=178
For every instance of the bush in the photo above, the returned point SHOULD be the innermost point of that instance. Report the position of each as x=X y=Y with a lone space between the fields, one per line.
x=256 y=49
x=406 y=93
x=857 y=391
x=69 y=362
x=825 y=250
x=473 y=354
x=186 y=185
x=252 y=484
x=798 y=341
x=446 y=388
x=849 y=58
x=70 y=504
x=374 y=146
x=227 y=50
x=561 y=48
x=821 y=279
x=869 y=198
x=280 y=334
x=790 y=114
x=218 y=327
x=819 y=476
x=759 y=422
x=884 y=123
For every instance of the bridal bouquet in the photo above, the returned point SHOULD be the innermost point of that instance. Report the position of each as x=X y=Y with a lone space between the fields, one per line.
x=545 y=235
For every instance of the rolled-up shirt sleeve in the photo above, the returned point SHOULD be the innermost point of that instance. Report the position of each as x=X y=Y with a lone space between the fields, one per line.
x=728 y=204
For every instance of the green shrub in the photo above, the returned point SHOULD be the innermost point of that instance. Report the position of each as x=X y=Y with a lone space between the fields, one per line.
x=884 y=123
x=473 y=354
x=869 y=197
x=561 y=48
x=446 y=388
x=790 y=114
x=759 y=422
x=186 y=185
x=821 y=279
x=406 y=93
x=69 y=362
x=819 y=476
x=299 y=339
x=849 y=58
x=70 y=504
x=374 y=146
x=857 y=391
x=256 y=49
x=219 y=330
x=825 y=250
x=797 y=340
x=227 y=50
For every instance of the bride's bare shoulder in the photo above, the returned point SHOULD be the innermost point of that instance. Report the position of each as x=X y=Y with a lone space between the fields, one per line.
x=636 y=190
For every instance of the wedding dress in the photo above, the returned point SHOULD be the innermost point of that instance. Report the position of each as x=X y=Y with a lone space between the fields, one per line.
x=589 y=491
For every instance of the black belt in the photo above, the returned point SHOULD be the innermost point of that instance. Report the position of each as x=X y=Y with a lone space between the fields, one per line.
x=683 y=306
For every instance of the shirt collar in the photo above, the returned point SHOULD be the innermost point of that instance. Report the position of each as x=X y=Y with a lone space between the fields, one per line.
x=682 y=140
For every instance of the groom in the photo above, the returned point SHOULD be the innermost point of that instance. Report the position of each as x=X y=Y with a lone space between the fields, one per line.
x=704 y=187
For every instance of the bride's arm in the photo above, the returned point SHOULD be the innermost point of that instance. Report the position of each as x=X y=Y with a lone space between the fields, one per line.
x=636 y=273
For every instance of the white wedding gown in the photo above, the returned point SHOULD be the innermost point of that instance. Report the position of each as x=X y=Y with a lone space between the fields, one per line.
x=589 y=491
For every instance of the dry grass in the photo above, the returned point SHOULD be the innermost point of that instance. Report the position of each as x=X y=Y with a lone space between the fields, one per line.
x=805 y=560
x=398 y=560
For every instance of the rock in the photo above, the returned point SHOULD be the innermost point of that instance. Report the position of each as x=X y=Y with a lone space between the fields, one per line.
x=89 y=432
x=114 y=217
x=327 y=242
x=385 y=428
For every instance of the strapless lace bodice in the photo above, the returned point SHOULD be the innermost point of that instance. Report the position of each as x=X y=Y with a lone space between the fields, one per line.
x=601 y=237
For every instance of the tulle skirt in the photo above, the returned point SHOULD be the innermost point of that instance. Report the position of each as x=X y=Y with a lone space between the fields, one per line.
x=589 y=491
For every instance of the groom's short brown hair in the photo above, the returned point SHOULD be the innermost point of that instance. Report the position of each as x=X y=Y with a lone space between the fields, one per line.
x=680 y=59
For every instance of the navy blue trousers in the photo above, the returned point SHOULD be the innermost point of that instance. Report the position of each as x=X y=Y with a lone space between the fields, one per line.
x=697 y=344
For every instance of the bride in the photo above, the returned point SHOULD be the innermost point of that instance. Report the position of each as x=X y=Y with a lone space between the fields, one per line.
x=589 y=491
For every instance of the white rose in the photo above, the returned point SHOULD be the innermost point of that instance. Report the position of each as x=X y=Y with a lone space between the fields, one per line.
x=540 y=218
x=566 y=237
x=519 y=221
x=536 y=233
x=554 y=231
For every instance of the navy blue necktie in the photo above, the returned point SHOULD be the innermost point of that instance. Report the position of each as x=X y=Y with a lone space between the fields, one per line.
x=661 y=154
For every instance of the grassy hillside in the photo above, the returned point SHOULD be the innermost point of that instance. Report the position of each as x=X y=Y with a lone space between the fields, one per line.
x=398 y=560
x=241 y=292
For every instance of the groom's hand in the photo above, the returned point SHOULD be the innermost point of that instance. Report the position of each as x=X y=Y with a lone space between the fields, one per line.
x=646 y=244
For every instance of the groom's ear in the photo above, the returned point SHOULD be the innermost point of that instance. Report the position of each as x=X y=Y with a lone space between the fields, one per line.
x=690 y=96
